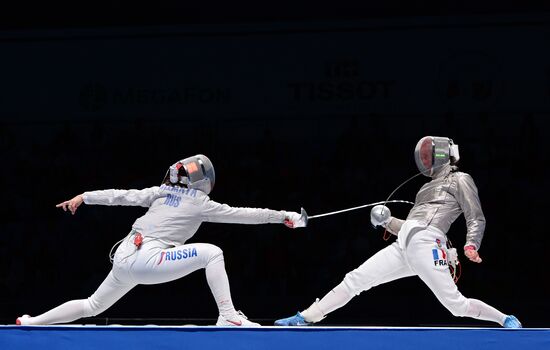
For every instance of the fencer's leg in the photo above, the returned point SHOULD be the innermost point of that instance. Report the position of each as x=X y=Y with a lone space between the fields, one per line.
x=435 y=274
x=174 y=263
x=482 y=311
x=217 y=279
x=385 y=266
x=111 y=290
x=218 y=282
x=335 y=299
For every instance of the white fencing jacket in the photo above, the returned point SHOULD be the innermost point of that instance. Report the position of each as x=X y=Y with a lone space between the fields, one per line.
x=175 y=213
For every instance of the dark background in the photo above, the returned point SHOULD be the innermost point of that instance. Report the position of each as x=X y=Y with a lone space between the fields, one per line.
x=296 y=105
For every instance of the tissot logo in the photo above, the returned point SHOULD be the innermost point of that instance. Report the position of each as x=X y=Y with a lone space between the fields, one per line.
x=342 y=82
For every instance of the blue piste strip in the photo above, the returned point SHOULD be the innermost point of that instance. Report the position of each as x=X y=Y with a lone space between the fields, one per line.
x=305 y=338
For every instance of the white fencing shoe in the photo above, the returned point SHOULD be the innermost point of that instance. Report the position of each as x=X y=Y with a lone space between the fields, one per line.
x=22 y=321
x=238 y=320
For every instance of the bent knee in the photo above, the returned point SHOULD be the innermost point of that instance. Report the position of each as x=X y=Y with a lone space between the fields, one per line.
x=93 y=307
x=213 y=253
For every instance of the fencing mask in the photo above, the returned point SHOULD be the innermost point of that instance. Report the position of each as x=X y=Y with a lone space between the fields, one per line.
x=196 y=172
x=432 y=153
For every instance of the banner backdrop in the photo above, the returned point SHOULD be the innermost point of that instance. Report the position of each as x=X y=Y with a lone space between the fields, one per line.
x=490 y=64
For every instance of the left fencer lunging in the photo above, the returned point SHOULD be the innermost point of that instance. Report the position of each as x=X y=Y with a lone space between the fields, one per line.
x=155 y=251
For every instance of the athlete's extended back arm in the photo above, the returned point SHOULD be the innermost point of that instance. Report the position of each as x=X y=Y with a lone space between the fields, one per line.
x=142 y=198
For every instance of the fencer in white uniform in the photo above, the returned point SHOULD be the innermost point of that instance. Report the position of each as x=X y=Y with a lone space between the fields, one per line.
x=155 y=251
x=421 y=247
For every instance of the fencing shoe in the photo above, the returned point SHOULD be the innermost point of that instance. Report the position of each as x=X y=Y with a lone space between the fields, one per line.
x=22 y=321
x=297 y=320
x=512 y=322
x=238 y=320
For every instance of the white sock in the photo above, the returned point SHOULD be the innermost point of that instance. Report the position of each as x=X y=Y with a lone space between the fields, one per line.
x=219 y=285
x=64 y=313
x=482 y=311
x=334 y=299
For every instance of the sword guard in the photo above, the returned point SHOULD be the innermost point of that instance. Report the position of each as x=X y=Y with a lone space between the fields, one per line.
x=303 y=216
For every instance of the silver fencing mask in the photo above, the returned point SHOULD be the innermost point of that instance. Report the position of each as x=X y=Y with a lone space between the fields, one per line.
x=432 y=153
x=196 y=172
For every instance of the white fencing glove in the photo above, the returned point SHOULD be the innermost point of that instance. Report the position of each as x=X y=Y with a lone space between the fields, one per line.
x=380 y=215
x=294 y=220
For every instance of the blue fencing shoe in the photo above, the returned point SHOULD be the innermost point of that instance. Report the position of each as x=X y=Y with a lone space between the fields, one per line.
x=297 y=320
x=512 y=322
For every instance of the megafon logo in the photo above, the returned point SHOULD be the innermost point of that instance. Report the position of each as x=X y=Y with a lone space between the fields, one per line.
x=93 y=97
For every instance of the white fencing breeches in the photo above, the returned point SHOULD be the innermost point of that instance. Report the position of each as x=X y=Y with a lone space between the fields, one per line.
x=423 y=255
x=153 y=263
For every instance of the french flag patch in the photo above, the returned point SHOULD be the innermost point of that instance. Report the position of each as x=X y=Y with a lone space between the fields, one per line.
x=440 y=257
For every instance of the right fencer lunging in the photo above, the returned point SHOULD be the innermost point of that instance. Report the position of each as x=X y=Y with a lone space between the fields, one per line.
x=421 y=246
x=155 y=250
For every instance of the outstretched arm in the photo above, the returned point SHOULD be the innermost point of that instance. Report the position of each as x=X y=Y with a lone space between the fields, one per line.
x=223 y=213
x=71 y=204
x=142 y=198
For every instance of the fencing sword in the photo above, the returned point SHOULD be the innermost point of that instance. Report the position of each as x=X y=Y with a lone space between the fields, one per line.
x=356 y=208
x=306 y=218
